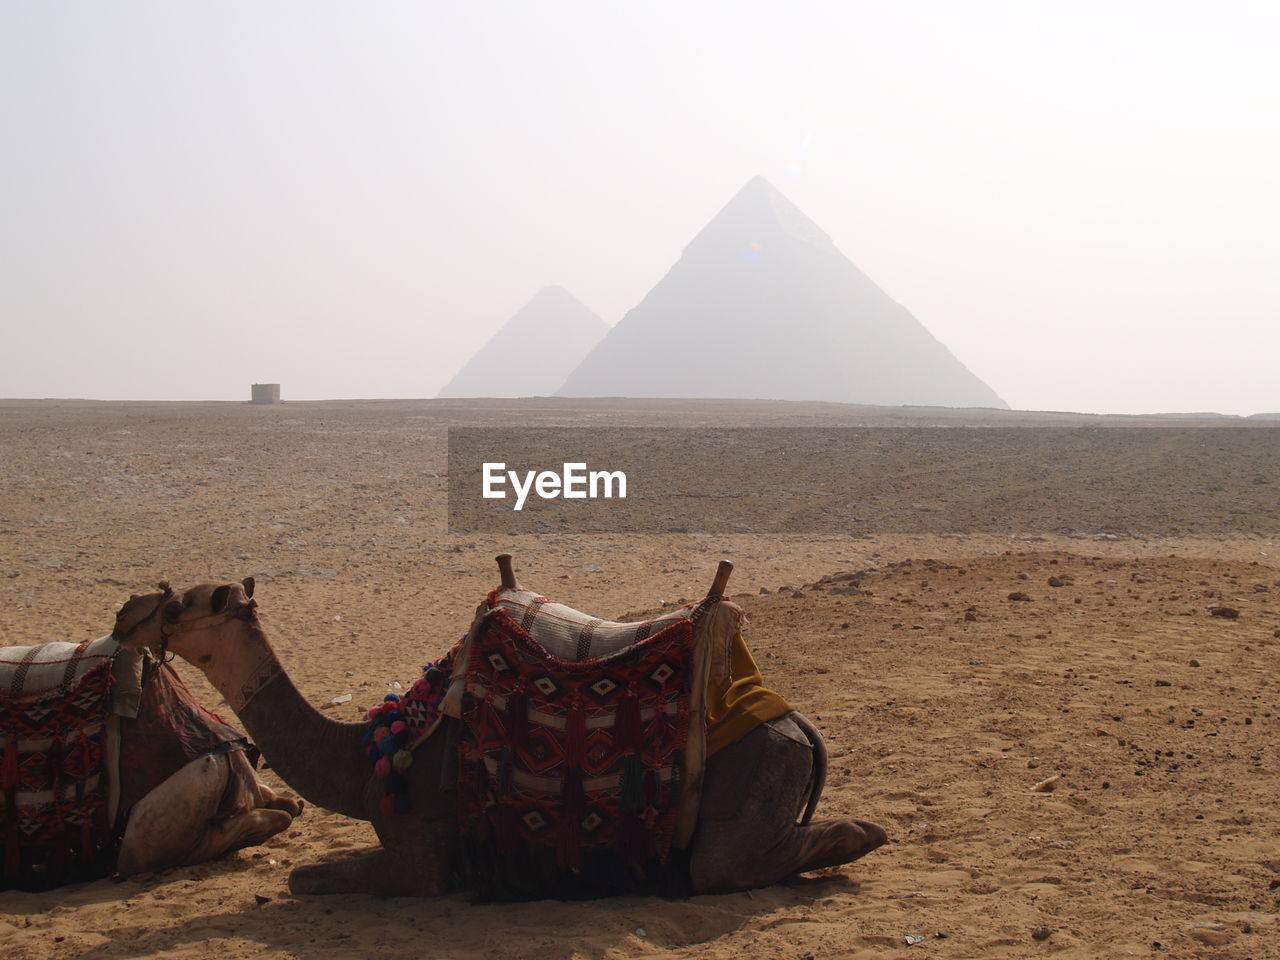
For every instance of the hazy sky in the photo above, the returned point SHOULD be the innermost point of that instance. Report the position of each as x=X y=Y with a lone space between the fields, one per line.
x=1080 y=199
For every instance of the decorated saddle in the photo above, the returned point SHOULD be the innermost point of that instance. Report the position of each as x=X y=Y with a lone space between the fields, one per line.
x=56 y=700
x=582 y=744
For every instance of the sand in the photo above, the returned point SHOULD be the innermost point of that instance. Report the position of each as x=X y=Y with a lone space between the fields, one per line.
x=943 y=701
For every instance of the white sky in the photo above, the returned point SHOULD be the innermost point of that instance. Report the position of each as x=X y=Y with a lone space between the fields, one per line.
x=1080 y=199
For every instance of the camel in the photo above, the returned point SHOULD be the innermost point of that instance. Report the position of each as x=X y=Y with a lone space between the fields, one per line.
x=186 y=790
x=762 y=782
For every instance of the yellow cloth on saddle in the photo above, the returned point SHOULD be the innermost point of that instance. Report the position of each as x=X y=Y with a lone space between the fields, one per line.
x=735 y=710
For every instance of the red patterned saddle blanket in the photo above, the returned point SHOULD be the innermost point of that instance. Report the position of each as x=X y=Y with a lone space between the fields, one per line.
x=582 y=742
x=55 y=703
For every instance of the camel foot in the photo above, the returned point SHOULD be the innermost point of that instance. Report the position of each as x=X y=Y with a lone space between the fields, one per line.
x=274 y=801
x=289 y=805
x=374 y=872
x=831 y=843
x=719 y=867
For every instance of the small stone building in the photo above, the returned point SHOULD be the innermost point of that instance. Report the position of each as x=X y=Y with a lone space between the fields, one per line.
x=265 y=393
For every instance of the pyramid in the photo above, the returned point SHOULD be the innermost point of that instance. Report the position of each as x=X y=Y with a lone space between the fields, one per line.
x=762 y=305
x=533 y=352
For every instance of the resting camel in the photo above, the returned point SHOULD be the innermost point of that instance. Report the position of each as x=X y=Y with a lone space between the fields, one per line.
x=151 y=781
x=765 y=779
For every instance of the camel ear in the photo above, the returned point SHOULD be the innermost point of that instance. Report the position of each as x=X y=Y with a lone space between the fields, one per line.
x=248 y=583
x=220 y=597
x=172 y=611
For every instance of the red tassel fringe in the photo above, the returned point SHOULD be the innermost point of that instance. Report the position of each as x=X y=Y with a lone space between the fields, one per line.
x=575 y=737
x=627 y=728
x=569 y=849
x=518 y=718
x=12 y=855
x=575 y=798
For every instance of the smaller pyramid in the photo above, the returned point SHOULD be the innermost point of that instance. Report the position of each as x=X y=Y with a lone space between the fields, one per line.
x=533 y=352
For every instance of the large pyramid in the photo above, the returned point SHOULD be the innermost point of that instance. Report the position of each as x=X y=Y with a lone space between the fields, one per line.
x=763 y=305
x=533 y=352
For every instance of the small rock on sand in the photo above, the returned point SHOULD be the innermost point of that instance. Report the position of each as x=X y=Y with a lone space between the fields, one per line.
x=1212 y=933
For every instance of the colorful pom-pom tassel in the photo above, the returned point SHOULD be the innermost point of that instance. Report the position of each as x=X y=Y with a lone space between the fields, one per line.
x=388 y=804
x=391 y=698
x=383 y=767
x=402 y=760
x=398 y=726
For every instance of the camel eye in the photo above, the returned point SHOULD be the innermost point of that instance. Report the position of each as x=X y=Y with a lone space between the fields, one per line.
x=172 y=611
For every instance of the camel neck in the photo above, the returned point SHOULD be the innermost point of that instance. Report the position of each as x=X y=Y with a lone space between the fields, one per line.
x=320 y=758
x=245 y=669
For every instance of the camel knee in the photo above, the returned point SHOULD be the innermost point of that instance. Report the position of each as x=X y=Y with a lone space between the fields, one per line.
x=169 y=822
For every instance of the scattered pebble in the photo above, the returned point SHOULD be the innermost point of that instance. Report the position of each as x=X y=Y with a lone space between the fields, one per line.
x=1231 y=613
x=1041 y=933
x=1047 y=785
x=1018 y=595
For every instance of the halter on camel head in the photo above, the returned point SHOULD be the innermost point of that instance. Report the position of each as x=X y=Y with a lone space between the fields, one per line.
x=165 y=615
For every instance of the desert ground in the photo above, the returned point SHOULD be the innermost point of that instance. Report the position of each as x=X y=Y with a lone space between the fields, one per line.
x=943 y=699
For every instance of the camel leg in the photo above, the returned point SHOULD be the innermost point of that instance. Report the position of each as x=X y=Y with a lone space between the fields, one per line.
x=417 y=846
x=750 y=838
x=201 y=812
x=414 y=867
x=170 y=821
x=258 y=794
x=244 y=830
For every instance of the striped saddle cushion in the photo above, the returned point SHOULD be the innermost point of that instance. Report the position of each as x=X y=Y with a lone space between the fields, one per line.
x=570 y=634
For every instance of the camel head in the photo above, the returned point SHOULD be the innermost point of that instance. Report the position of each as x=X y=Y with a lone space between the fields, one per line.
x=191 y=622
